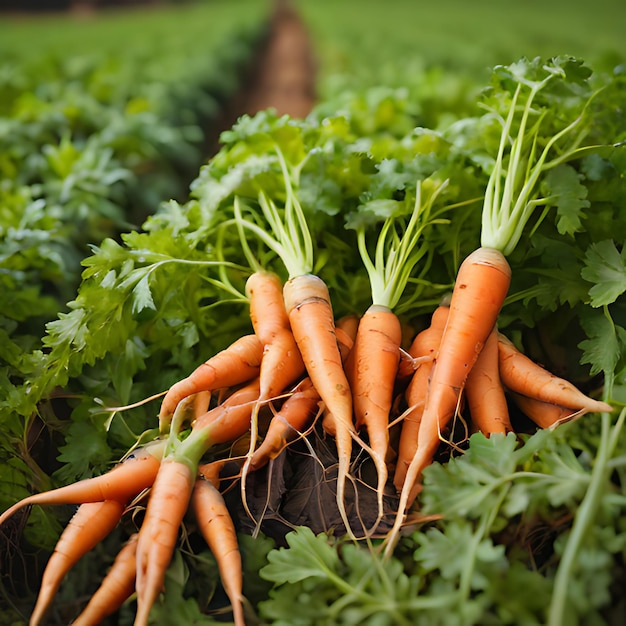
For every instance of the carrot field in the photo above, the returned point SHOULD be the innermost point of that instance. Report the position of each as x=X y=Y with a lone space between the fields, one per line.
x=312 y=313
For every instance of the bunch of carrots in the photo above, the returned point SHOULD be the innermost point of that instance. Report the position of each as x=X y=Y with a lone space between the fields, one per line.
x=302 y=368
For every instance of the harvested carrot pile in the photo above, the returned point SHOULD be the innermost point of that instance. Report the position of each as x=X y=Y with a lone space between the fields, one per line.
x=371 y=400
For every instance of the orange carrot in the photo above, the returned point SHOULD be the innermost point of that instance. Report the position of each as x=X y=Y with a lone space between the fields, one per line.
x=281 y=364
x=480 y=288
x=311 y=317
x=230 y=419
x=122 y=483
x=167 y=505
x=374 y=358
x=348 y=324
x=217 y=528
x=237 y=364
x=296 y=414
x=423 y=349
x=116 y=587
x=484 y=392
x=91 y=523
x=522 y=375
x=545 y=414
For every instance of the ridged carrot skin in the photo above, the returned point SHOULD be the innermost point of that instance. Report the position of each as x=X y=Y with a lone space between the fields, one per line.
x=545 y=414
x=116 y=587
x=158 y=535
x=91 y=523
x=122 y=483
x=484 y=392
x=216 y=526
x=522 y=375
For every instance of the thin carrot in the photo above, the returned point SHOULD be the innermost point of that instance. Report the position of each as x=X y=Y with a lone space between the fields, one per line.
x=230 y=419
x=423 y=348
x=348 y=324
x=522 y=375
x=237 y=364
x=91 y=523
x=116 y=587
x=486 y=400
x=295 y=415
x=216 y=526
x=167 y=505
x=545 y=414
x=281 y=364
x=481 y=285
x=122 y=483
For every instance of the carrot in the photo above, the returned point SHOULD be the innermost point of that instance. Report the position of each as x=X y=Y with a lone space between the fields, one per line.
x=167 y=505
x=311 y=317
x=372 y=365
x=91 y=523
x=523 y=376
x=545 y=414
x=122 y=483
x=116 y=587
x=423 y=348
x=217 y=528
x=481 y=285
x=484 y=392
x=281 y=364
x=230 y=419
x=375 y=355
x=237 y=364
x=296 y=414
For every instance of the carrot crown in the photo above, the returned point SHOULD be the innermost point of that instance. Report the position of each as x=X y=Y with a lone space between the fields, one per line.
x=289 y=237
x=396 y=255
x=512 y=191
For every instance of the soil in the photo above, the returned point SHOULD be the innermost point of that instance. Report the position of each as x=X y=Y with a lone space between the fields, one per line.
x=281 y=77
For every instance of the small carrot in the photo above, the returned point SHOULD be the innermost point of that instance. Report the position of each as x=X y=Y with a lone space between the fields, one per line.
x=216 y=526
x=91 y=523
x=281 y=364
x=545 y=414
x=167 y=505
x=423 y=349
x=122 y=483
x=484 y=392
x=237 y=364
x=116 y=587
x=296 y=414
x=523 y=376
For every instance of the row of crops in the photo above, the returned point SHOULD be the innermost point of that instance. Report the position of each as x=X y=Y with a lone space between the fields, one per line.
x=104 y=128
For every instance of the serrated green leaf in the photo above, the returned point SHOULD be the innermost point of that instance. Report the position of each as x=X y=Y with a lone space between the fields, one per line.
x=606 y=267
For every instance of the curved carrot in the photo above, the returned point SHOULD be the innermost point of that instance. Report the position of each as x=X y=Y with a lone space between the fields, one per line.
x=231 y=419
x=116 y=587
x=122 y=483
x=91 y=523
x=375 y=357
x=522 y=375
x=484 y=392
x=167 y=505
x=237 y=364
x=479 y=291
x=295 y=415
x=348 y=324
x=423 y=349
x=311 y=317
x=545 y=414
x=216 y=526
